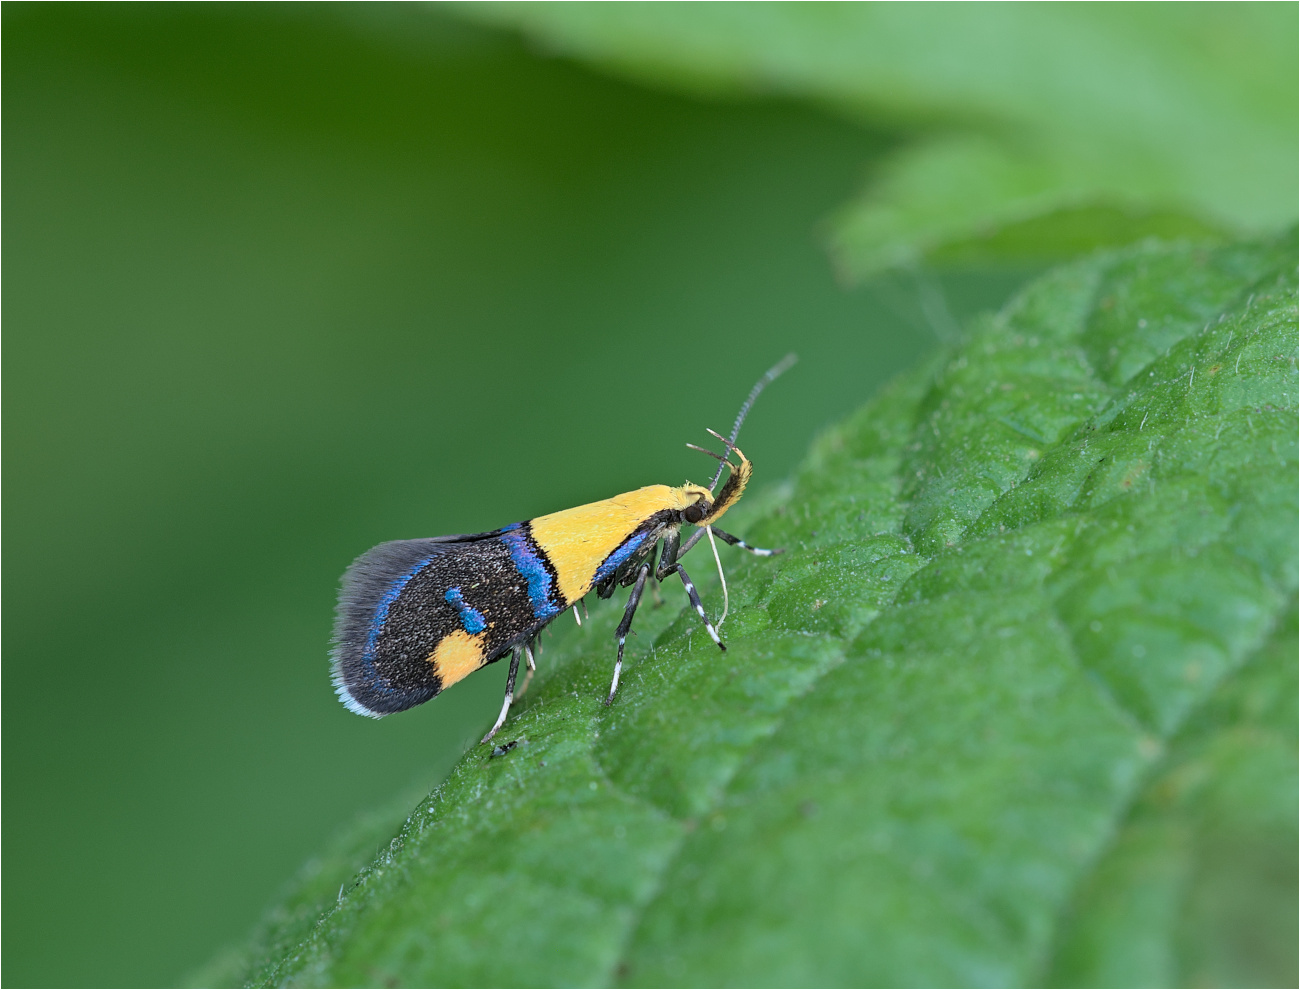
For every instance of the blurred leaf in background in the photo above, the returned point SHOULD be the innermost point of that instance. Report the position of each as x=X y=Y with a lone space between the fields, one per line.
x=1180 y=118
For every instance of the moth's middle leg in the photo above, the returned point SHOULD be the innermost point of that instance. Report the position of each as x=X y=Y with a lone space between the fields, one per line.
x=625 y=626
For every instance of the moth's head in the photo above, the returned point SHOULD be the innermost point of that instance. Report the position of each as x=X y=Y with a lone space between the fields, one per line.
x=703 y=507
x=699 y=503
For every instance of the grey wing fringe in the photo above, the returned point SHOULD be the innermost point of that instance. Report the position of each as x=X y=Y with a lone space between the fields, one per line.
x=364 y=585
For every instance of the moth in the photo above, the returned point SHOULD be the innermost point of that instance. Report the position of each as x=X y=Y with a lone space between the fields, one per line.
x=416 y=616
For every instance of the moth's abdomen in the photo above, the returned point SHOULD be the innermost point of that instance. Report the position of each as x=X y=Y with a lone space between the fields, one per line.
x=416 y=616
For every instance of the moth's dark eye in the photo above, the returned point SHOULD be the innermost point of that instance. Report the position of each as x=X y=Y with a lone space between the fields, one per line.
x=694 y=512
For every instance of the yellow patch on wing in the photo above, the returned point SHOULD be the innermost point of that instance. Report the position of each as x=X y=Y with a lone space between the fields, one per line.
x=457 y=655
x=578 y=540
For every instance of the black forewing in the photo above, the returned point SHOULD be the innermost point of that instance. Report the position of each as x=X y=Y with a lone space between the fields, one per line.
x=393 y=612
x=460 y=537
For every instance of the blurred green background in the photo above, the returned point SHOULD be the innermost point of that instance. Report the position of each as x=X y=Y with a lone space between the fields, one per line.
x=286 y=281
x=283 y=283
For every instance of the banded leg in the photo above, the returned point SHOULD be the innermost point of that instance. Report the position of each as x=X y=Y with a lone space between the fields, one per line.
x=625 y=626
x=694 y=596
x=735 y=541
x=510 y=695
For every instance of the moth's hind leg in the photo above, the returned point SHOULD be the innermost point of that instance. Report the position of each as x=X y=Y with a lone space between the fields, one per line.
x=510 y=694
x=625 y=626
x=532 y=668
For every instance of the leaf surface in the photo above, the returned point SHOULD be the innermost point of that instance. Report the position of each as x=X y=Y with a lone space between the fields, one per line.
x=1016 y=707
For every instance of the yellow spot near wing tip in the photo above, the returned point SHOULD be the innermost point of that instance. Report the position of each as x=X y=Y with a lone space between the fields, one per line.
x=456 y=656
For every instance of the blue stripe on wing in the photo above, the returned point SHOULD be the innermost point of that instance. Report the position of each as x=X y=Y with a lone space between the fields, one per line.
x=470 y=618
x=530 y=564
x=385 y=603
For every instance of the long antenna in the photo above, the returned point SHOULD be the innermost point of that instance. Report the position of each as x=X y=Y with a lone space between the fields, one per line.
x=771 y=375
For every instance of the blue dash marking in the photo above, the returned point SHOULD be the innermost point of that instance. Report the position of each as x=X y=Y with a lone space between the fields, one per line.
x=532 y=568
x=385 y=603
x=470 y=617
x=615 y=560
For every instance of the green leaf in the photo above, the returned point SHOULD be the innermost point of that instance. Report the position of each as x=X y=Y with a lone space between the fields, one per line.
x=1016 y=707
x=1069 y=232
x=1009 y=112
x=970 y=201
x=321 y=879
x=1197 y=886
